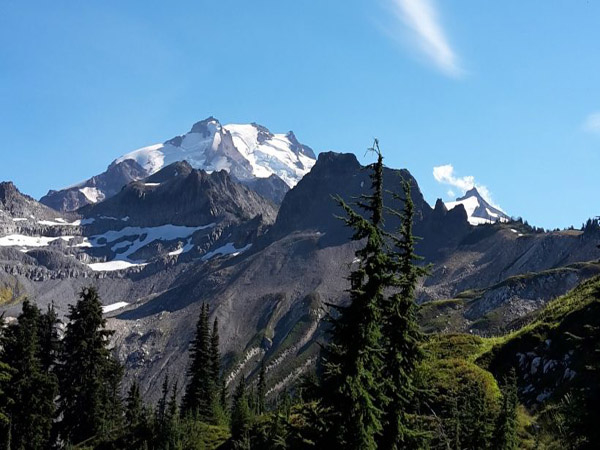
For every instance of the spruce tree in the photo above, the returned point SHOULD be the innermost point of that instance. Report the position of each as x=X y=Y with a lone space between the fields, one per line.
x=89 y=374
x=353 y=361
x=402 y=335
x=6 y=374
x=261 y=390
x=137 y=417
x=133 y=405
x=199 y=398
x=223 y=394
x=50 y=343
x=172 y=436
x=5 y=402
x=215 y=355
x=32 y=390
x=241 y=415
x=161 y=407
x=507 y=421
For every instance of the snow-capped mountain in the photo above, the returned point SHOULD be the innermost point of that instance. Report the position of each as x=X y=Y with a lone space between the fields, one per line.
x=266 y=162
x=479 y=211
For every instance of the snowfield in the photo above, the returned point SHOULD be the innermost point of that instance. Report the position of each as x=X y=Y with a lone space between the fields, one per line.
x=20 y=240
x=478 y=211
x=251 y=155
x=93 y=194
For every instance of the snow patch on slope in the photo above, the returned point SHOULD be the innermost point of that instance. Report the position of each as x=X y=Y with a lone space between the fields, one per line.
x=93 y=194
x=20 y=240
x=114 y=307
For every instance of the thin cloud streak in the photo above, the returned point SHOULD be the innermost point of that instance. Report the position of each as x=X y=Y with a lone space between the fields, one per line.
x=420 y=17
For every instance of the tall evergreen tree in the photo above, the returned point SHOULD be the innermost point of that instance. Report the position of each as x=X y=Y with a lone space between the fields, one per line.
x=261 y=392
x=172 y=433
x=353 y=361
x=199 y=397
x=5 y=402
x=507 y=421
x=402 y=335
x=161 y=407
x=167 y=425
x=215 y=355
x=6 y=373
x=241 y=415
x=89 y=374
x=32 y=390
x=133 y=406
x=50 y=343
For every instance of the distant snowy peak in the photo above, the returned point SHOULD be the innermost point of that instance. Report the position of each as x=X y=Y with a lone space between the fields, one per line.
x=479 y=211
x=267 y=163
x=246 y=151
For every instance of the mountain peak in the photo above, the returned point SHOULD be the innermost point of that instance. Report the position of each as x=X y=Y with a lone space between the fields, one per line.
x=473 y=192
x=479 y=210
x=206 y=127
x=251 y=153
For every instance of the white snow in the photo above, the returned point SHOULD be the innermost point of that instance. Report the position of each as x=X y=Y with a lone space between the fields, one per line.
x=491 y=213
x=470 y=204
x=184 y=249
x=272 y=156
x=133 y=238
x=114 y=307
x=110 y=266
x=213 y=153
x=63 y=223
x=19 y=219
x=150 y=158
x=151 y=184
x=513 y=230
x=94 y=195
x=20 y=240
x=227 y=249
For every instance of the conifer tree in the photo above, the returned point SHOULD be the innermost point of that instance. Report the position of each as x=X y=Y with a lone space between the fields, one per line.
x=218 y=389
x=5 y=402
x=240 y=412
x=161 y=407
x=89 y=374
x=262 y=390
x=133 y=408
x=223 y=394
x=402 y=335
x=353 y=361
x=507 y=421
x=215 y=355
x=172 y=436
x=199 y=395
x=32 y=390
x=137 y=417
x=6 y=373
x=50 y=343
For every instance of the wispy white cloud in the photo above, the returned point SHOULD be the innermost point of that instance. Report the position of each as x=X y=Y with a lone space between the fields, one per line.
x=445 y=175
x=592 y=123
x=425 y=33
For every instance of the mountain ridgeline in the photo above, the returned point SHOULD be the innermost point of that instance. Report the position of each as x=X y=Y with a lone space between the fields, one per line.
x=241 y=226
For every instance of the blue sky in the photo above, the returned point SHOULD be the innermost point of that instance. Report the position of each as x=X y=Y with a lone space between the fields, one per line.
x=506 y=93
